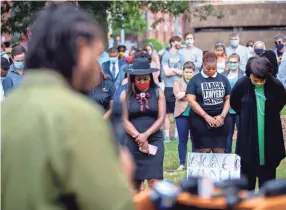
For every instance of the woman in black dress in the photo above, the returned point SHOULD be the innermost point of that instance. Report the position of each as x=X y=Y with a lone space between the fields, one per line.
x=208 y=94
x=103 y=94
x=144 y=114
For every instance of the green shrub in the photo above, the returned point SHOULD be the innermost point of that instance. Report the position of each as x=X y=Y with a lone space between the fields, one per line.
x=157 y=45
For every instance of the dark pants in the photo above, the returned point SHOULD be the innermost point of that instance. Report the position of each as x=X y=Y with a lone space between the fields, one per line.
x=234 y=120
x=183 y=127
x=263 y=173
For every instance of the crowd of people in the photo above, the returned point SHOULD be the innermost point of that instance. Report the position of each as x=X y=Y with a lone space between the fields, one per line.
x=60 y=132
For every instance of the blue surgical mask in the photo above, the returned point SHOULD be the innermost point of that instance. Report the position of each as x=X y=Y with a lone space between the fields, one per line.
x=233 y=66
x=258 y=51
x=113 y=59
x=2 y=78
x=234 y=43
x=189 y=42
x=19 y=65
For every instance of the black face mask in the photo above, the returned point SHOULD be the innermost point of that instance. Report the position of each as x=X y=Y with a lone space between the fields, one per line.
x=279 y=46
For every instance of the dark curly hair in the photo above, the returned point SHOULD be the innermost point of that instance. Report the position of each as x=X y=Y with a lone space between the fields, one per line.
x=260 y=67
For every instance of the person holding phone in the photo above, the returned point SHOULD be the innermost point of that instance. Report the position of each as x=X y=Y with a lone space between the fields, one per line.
x=144 y=109
x=208 y=95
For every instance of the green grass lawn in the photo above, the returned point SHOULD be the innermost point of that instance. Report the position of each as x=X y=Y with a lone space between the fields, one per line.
x=283 y=112
x=171 y=163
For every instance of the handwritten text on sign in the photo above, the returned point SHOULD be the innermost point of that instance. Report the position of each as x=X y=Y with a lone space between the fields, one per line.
x=216 y=166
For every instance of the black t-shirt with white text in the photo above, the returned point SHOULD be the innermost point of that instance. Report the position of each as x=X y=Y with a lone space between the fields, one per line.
x=210 y=92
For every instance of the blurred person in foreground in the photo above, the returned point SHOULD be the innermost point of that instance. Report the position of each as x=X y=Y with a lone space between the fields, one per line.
x=258 y=98
x=62 y=155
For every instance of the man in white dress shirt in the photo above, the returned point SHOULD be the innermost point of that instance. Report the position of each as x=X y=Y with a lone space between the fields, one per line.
x=114 y=67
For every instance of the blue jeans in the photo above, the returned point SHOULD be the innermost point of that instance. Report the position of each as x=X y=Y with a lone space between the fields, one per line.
x=234 y=120
x=183 y=127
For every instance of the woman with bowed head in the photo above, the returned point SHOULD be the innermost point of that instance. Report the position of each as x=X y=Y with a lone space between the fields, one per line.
x=208 y=95
x=233 y=74
x=219 y=50
x=182 y=111
x=258 y=98
x=144 y=113
x=103 y=93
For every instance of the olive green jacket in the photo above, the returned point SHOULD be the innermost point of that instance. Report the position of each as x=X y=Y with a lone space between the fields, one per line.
x=55 y=142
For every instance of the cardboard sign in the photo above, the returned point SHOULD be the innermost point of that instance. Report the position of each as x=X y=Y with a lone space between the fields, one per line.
x=216 y=166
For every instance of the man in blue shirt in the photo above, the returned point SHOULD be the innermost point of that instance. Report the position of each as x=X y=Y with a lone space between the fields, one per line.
x=17 y=68
x=235 y=47
x=114 y=67
x=6 y=81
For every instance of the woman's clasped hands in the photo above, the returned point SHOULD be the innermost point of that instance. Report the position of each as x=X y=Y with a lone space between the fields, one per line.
x=216 y=121
x=142 y=141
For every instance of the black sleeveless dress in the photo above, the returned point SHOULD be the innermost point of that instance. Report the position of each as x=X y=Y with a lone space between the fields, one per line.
x=147 y=166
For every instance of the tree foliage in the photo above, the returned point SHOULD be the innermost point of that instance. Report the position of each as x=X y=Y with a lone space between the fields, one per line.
x=127 y=14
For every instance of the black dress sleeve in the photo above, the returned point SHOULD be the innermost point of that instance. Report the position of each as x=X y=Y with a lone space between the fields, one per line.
x=237 y=93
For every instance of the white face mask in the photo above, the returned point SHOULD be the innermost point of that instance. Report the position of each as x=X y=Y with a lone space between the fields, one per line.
x=189 y=42
x=251 y=49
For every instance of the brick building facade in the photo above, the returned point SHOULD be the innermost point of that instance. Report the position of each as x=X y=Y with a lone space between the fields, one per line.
x=255 y=21
x=166 y=29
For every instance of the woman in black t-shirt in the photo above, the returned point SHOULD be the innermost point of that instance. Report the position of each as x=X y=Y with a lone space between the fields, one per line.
x=208 y=94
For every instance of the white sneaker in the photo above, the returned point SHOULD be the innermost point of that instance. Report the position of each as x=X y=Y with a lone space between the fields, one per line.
x=181 y=168
x=167 y=140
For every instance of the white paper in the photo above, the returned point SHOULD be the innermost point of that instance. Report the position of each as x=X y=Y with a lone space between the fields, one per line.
x=216 y=166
